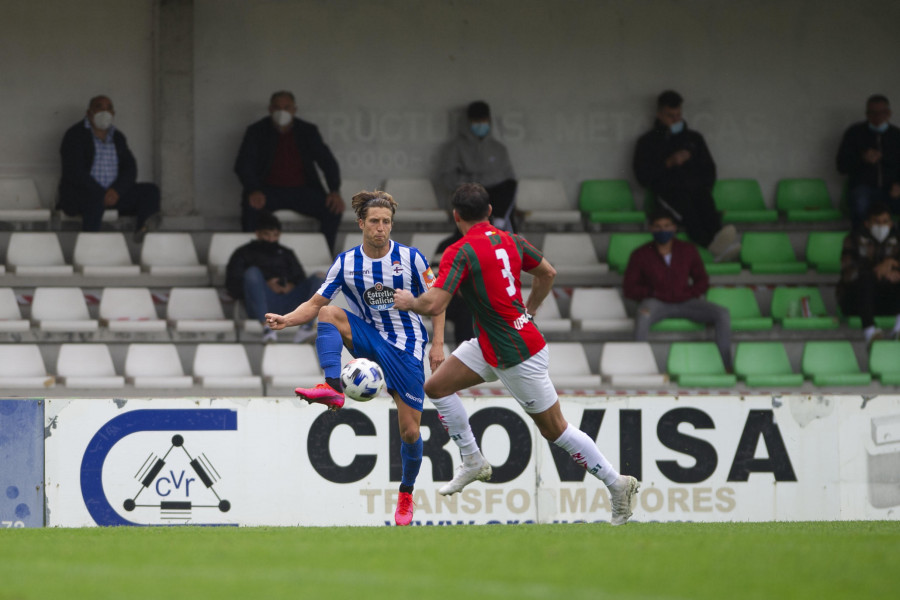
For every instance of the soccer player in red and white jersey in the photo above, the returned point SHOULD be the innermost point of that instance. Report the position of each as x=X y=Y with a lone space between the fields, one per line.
x=485 y=266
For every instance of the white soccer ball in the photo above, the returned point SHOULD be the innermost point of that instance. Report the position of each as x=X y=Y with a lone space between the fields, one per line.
x=363 y=379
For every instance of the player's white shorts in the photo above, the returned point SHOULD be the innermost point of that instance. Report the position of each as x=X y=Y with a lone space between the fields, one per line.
x=528 y=382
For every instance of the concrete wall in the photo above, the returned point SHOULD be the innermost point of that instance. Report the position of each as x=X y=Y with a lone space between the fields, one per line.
x=771 y=84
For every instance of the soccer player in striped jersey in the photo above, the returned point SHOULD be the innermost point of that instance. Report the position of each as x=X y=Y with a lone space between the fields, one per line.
x=369 y=275
x=485 y=266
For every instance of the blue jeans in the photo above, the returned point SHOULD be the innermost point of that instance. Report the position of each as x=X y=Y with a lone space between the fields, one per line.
x=260 y=299
x=862 y=196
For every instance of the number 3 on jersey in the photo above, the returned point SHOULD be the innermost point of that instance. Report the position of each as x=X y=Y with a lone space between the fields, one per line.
x=503 y=257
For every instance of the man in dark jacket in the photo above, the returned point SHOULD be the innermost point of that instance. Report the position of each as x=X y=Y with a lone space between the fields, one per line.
x=870 y=156
x=269 y=278
x=668 y=279
x=277 y=168
x=674 y=163
x=870 y=272
x=99 y=172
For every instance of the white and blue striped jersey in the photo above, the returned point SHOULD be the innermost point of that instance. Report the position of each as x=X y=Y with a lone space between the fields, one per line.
x=369 y=284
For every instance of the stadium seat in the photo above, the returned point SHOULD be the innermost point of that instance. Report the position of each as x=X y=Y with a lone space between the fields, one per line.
x=61 y=310
x=289 y=366
x=197 y=311
x=709 y=261
x=741 y=201
x=630 y=364
x=129 y=310
x=742 y=306
x=427 y=243
x=788 y=310
x=832 y=363
x=884 y=361
x=103 y=255
x=22 y=366
x=765 y=364
x=221 y=247
x=823 y=250
x=569 y=368
x=19 y=201
x=608 y=201
x=544 y=201
x=767 y=253
x=36 y=254
x=621 y=245
x=225 y=367
x=548 y=318
x=599 y=309
x=171 y=254
x=881 y=321
x=351 y=187
x=11 y=320
x=311 y=250
x=805 y=200
x=417 y=201
x=155 y=366
x=676 y=325
x=87 y=366
x=574 y=257
x=698 y=364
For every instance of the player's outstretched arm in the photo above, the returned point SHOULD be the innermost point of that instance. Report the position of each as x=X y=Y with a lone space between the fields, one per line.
x=543 y=274
x=432 y=302
x=304 y=313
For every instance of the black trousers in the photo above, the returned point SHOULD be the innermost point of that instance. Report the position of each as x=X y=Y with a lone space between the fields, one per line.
x=307 y=201
x=503 y=196
x=694 y=209
x=867 y=297
x=142 y=200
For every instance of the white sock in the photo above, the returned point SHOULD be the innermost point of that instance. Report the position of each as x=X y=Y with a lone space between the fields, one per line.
x=897 y=325
x=869 y=332
x=585 y=453
x=456 y=421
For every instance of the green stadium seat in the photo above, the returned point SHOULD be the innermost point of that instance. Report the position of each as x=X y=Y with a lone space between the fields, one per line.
x=677 y=325
x=709 y=261
x=881 y=321
x=832 y=363
x=608 y=201
x=621 y=245
x=765 y=364
x=742 y=306
x=805 y=200
x=823 y=250
x=698 y=364
x=741 y=201
x=884 y=361
x=768 y=253
x=787 y=309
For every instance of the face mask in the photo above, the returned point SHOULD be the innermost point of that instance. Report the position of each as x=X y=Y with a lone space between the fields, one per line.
x=677 y=128
x=103 y=120
x=480 y=129
x=663 y=237
x=282 y=118
x=880 y=232
x=879 y=128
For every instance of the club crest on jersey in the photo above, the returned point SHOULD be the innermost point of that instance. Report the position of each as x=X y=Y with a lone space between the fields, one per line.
x=396 y=268
x=379 y=297
x=428 y=277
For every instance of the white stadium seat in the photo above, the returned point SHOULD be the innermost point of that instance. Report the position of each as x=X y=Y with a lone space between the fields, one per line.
x=548 y=318
x=87 y=366
x=19 y=201
x=221 y=247
x=630 y=364
x=129 y=310
x=103 y=255
x=225 y=367
x=288 y=366
x=61 y=309
x=569 y=367
x=311 y=250
x=22 y=366
x=155 y=366
x=574 y=257
x=11 y=320
x=36 y=254
x=197 y=310
x=599 y=309
x=171 y=254
x=544 y=201
x=417 y=202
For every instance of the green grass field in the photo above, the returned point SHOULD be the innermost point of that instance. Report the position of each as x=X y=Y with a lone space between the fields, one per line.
x=640 y=560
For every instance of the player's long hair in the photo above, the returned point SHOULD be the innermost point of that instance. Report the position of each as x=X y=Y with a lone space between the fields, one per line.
x=363 y=201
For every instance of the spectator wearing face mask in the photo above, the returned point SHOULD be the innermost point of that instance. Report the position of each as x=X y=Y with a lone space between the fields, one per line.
x=277 y=167
x=870 y=157
x=870 y=272
x=99 y=172
x=268 y=277
x=667 y=279
x=476 y=156
x=674 y=163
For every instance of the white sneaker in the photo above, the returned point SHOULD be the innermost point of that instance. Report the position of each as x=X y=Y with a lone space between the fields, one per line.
x=724 y=238
x=465 y=474
x=269 y=336
x=304 y=332
x=621 y=494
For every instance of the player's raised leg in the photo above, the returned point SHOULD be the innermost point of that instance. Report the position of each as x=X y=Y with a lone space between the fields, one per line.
x=333 y=329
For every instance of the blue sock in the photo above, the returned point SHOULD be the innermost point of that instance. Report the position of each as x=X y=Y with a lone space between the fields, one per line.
x=329 y=346
x=411 y=455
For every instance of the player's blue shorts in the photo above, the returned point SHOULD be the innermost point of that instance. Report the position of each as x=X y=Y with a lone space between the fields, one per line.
x=403 y=372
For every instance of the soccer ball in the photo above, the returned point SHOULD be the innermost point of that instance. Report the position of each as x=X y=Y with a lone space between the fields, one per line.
x=363 y=379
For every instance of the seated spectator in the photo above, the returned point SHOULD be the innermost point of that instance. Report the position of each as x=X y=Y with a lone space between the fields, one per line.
x=674 y=163
x=277 y=167
x=667 y=278
x=99 y=172
x=457 y=312
x=870 y=272
x=268 y=278
x=475 y=156
x=870 y=157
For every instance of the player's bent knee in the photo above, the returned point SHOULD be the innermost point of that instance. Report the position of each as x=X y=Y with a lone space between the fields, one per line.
x=331 y=314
